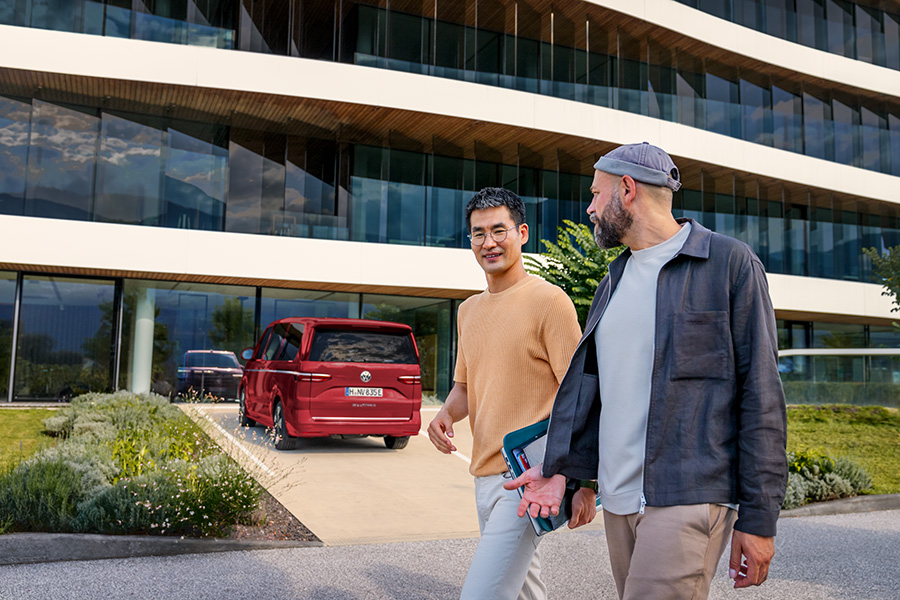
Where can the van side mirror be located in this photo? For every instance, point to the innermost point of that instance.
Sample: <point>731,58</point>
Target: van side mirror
<point>247,353</point>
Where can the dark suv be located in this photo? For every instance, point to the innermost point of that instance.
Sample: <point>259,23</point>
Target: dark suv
<point>215,372</point>
<point>311,377</point>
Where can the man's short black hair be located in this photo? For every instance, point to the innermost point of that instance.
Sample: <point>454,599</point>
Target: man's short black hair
<point>491,197</point>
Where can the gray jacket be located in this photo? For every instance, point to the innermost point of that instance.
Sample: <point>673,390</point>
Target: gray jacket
<point>717,426</point>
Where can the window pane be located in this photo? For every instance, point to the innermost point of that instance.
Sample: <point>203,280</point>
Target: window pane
<point>7,314</point>
<point>821,238</point>
<point>311,208</point>
<point>756,106</point>
<point>256,183</point>
<point>15,126</point>
<point>787,112</point>
<point>818,130</point>
<point>446,203</point>
<point>840,28</point>
<point>719,8</point>
<point>689,86</point>
<point>891,41</point>
<point>430,321</point>
<point>279,304</point>
<point>66,329</point>
<point>846,128</point>
<point>129,171</point>
<point>163,321</point>
<point>195,176</point>
<point>847,241</point>
<point>749,13</point>
<point>722,100</point>
<point>61,162</point>
<point>406,198</point>
<point>811,23</point>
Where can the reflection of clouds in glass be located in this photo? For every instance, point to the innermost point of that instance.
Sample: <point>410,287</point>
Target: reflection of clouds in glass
<point>120,152</point>
<point>204,171</point>
<point>71,134</point>
<point>14,135</point>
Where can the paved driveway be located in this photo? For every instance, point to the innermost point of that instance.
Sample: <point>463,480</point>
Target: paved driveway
<point>356,490</point>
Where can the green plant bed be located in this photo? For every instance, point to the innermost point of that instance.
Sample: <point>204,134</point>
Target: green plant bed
<point>126,464</point>
<point>869,436</point>
<point>22,434</point>
<point>826,393</point>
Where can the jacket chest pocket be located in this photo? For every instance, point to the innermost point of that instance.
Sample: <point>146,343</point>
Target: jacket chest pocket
<point>700,341</point>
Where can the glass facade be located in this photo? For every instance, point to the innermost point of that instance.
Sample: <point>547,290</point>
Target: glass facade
<point>562,53</point>
<point>66,343</point>
<point>78,335</point>
<point>194,22</point>
<point>140,170</point>
<point>837,369</point>
<point>863,32</point>
<point>7,316</point>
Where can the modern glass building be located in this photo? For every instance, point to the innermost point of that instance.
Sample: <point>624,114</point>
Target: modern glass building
<point>176,174</point>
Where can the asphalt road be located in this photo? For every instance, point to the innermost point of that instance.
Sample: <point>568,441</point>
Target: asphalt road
<point>850,556</point>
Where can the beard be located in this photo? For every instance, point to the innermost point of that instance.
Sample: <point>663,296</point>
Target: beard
<point>612,224</point>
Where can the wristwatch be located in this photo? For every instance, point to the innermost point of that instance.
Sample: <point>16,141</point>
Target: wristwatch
<point>587,483</point>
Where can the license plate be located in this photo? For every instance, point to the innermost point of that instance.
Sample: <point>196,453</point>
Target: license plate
<point>365,392</point>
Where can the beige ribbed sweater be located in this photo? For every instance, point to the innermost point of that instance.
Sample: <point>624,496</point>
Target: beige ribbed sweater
<point>514,348</point>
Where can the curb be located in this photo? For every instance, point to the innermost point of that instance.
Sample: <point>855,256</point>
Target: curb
<point>26,548</point>
<point>856,504</point>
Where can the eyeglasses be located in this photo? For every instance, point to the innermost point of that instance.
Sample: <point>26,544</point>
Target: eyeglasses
<point>498,235</point>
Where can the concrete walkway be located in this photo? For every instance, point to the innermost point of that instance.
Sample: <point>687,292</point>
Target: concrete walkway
<point>356,491</point>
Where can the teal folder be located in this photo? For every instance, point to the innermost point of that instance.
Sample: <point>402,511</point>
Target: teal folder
<point>524,448</point>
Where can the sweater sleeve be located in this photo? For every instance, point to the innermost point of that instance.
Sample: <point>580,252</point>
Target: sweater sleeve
<point>561,333</point>
<point>460,373</point>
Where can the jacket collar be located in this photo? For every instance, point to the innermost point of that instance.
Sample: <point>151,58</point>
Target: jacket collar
<point>697,243</point>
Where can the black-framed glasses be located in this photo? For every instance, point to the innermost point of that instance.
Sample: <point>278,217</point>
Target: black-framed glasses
<point>498,235</point>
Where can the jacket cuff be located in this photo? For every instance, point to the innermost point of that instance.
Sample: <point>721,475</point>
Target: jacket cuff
<point>756,522</point>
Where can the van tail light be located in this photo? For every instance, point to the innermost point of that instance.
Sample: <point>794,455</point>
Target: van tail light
<point>301,376</point>
<point>410,379</point>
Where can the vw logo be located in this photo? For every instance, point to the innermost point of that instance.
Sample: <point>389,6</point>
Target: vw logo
<point>365,376</point>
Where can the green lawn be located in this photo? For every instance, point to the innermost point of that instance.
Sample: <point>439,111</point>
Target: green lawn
<point>869,436</point>
<point>21,433</point>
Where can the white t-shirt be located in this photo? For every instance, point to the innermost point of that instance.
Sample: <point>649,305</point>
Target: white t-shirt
<point>625,338</point>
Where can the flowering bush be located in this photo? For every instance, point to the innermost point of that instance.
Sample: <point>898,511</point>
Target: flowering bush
<point>128,464</point>
<point>814,477</point>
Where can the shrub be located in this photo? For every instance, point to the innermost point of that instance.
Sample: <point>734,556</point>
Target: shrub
<point>815,477</point>
<point>796,491</point>
<point>855,475</point>
<point>128,464</point>
<point>146,504</point>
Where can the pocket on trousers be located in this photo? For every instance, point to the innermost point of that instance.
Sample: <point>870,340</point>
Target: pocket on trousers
<point>701,341</point>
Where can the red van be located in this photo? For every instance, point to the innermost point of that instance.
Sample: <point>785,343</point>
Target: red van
<point>315,377</point>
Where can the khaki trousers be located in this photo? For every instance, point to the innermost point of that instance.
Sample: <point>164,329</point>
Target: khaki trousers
<point>507,564</point>
<point>669,552</point>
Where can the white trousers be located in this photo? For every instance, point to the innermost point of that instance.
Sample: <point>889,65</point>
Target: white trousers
<point>507,564</point>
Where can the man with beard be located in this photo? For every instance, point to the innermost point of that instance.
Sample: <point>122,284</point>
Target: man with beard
<point>672,399</point>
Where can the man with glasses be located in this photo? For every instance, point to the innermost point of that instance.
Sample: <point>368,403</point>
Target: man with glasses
<point>673,398</point>
<point>515,341</point>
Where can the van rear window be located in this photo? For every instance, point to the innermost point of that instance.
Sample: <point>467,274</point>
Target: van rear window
<point>335,345</point>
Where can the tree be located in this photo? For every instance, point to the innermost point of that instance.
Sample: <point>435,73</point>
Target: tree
<point>575,263</point>
<point>232,326</point>
<point>886,271</point>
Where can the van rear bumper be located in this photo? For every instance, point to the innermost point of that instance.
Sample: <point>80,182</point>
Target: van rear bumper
<point>302,425</point>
